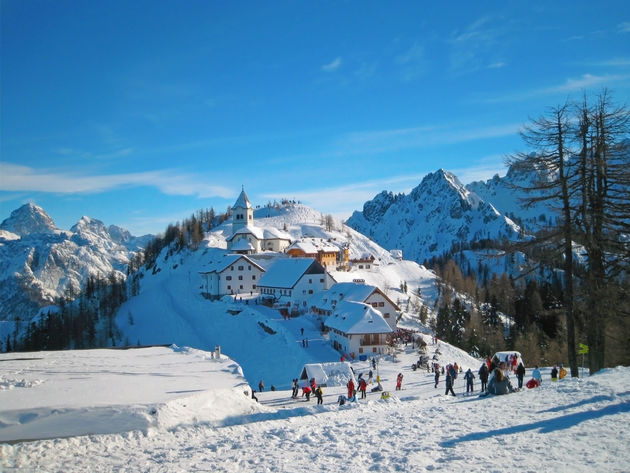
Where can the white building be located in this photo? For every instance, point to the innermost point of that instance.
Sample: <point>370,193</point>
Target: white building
<point>292,281</point>
<point>247,238</point>
<point>324,303</point>
<point>357,329</point>
<point>231,274</point>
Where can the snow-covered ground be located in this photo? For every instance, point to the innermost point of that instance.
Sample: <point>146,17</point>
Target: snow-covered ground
<point>178,409</point>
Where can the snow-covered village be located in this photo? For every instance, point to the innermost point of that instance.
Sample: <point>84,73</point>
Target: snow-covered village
<point>402,251</point>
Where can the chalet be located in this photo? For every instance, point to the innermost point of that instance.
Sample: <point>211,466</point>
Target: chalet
<point>322,250</point>
<point>363,263</point>
<point>247,238</point>
<point>324,303</point>
<point>231,274</point>
<point>357,329</point>
<point>292,281</point>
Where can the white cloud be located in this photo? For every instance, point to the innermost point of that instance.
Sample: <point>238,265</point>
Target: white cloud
<point>624,27</point>
<point>586,81</point>
<point>333,66</point>
<point>17,178</point>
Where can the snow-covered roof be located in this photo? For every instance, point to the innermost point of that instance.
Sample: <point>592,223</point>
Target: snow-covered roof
<point>242,201</point>
<point>357,318</point>
<point>314,245</point>
<point>242,245</point>
<point>225,261</point>
<point>346,291</point>
<point>249,230</point>
<point>286,272</point>
<point>272,233</point>
<point>336,373</point>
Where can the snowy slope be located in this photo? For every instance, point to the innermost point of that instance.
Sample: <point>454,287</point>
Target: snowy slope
<point>170,307</point>
<point>440,211</point>
<point>193,416</point>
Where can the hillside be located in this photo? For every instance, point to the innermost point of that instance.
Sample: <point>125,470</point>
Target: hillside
<point>170,307</point>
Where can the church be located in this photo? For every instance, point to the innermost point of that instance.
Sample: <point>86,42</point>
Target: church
<point>246,237</point>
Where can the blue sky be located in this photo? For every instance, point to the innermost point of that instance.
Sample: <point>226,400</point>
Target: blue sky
<point>139,113</point>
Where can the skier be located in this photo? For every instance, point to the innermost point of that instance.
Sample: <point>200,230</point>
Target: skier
<point>370,380</point>
<point>261,386</point>
<point>399,379</point>
<point>483,376</point>
<point>306,391</point>
<point>294,394</point>
<point>437,377</point>
<point>469,376</point>
<point>554,373</point>
<point>520,373</point>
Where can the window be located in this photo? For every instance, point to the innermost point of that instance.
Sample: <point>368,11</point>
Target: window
<point>241,286</point>
<point>249,267</point>
<point>253,277</point>
<point>321,280</point>
<point>240,278</point>
<point>240,268</point>
<point>229,287</point>
<point>374,304</point>
<point>381,304</point>
<point>310,281</point>
<point>228,278</point>
<point>310,291</point>
<point>232,268</point>
<point>386,316</point>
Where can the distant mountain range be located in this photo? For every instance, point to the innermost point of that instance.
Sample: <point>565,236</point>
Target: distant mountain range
<point>442,211</point>
<point>40,262</point>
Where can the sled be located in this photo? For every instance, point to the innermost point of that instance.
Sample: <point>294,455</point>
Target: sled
<point>532,383</point>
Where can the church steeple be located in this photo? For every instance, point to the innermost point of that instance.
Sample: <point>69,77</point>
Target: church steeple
<point>242,212</point>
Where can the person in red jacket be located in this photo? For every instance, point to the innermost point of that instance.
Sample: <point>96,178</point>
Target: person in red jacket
<point>350,386</point>
<point>363,388</point>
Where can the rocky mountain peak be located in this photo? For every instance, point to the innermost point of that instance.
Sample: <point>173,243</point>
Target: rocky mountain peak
<point>29,219</point>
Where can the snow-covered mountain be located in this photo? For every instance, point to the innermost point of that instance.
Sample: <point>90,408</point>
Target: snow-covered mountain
<point>440,211</point>
<point>504,194</point>
<point>40,263</point>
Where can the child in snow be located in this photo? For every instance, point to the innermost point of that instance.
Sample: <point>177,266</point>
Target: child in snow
<point>306,391</point>
<point>399,379</point>
<point>536,374</point>
<point>554,373</point>
<point>294,393</point>
<point>437,377</point>
<point>499,384</point>
<point>562,372</point>
<point>261,386</point>
<point>469,376</point>
<point>350,387</point>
